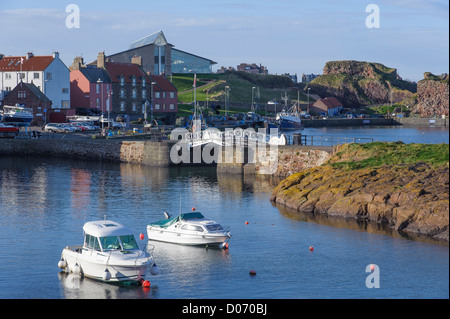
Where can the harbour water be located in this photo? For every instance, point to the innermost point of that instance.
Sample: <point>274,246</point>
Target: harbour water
<point>44,203</point>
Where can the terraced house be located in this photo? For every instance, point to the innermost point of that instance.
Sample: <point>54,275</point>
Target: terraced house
<point>47,72</point>
<point>127,88</point>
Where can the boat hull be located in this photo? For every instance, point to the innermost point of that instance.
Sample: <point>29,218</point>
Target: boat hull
<point>92,264</point>
<point>17,119</point>
<point>290,124</point>
<point>186,238</point>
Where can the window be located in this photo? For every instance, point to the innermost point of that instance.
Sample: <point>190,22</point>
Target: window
<point>172,95</point>
<point>172,106</point>
<point>122,106</point>
<point>144,94</point>
<point>21,94</point>
<point>122,80</point>
<point>65,91</point>
<point>36,75</point>
<point>157,95</point>
<point>21,75</point>
<point>122,93</point>
<point>65,104</point>
<point>133,81</point>
<point>97,89</point>
<point>110,242</point>
<point>49,76</point>
<point>192,227</point>
<point>133,106</point>
<point>134,93</point>
<point>129,242</point>
<point>157,106</point>
<point>98,102</point>
<point>92,242</point>
<point>7,76</point>
<point>143,81</point>
<point>164,95</point>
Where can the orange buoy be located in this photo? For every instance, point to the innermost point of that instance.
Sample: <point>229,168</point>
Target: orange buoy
<point>372,267</point>
<point>141,236</point>
<point>252,272</point>
<point>311,248</point>
<point>146,284</point>
<point>193,209</point>
<point>246,222</point>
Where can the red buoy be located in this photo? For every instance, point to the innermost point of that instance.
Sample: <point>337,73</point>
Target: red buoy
<point>311,248</point>
<point>252,272</point>
<point>193,208</point>
<point>246,222</point>
<point>372,267</point>
<point>141,236</point>
<point>146,284</point>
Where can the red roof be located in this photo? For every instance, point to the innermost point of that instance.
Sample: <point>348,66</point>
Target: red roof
<point>33,63</point>
<point>163,83</point>
<point>329,102</point>
<point>128,70</point>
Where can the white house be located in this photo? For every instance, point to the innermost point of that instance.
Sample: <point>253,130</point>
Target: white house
<point>47,72</point>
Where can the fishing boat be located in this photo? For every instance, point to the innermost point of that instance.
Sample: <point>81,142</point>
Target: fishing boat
<point>110,253</point>
<point>4,128</point>
<point>189,229</point>
<point>290,119</point>
<point>17,114</point>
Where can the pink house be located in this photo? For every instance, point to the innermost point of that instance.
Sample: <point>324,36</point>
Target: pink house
<point>90,86</point>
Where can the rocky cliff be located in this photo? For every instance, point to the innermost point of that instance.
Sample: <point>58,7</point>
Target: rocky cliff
<point>405,186</point>
<point>357,83</point>
<point>432,95</point>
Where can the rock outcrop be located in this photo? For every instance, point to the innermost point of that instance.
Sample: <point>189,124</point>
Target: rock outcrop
<point>410,196</point>
<point>433,95</point>
<point>357,83</point>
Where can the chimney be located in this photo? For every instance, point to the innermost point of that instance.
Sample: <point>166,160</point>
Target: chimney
<point>136,60</point>
<point>77,63</point>
<point>29,55</point>
<point>101,60</point>
<point>55,55</point>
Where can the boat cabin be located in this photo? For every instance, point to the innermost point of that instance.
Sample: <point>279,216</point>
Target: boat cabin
<point>108,235</point>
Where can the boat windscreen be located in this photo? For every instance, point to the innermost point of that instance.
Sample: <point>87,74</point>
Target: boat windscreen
<point>188,216</point>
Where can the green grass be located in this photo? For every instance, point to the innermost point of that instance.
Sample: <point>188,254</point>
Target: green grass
<point>378,154</point>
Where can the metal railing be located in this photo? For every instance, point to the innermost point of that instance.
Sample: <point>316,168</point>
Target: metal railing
<point>319,140</point>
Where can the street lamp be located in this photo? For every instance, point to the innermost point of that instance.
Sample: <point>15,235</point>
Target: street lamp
<point>99,82</point>
<point>151,104</point>
<point>253,90</point>
<point>308,99</point>
<point>227,99</point>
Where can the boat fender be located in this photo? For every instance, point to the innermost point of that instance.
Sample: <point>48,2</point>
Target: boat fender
<point>76,269</point>
<point>106,275</point>
<point>154,270</point>
<point>62,263</point>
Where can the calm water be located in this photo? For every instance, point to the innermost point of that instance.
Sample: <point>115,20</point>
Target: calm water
<point>45,202</point>
<point>406,134</point>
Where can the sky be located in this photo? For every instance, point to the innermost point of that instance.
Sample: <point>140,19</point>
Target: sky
<point>286,36</point>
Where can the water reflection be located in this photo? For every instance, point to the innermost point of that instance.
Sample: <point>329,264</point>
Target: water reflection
<point>77,287</point>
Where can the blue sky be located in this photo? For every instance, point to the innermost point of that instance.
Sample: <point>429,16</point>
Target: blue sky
<point>287,36</point>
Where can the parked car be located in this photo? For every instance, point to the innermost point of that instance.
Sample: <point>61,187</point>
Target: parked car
<point>77,128</point>
<point>58,128</point>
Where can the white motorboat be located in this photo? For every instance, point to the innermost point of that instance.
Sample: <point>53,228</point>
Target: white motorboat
<point>110,253</point>
<point>17,114</point>
<point>189,229</point>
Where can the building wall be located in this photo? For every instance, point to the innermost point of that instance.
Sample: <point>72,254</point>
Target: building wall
<point>30,100</point>
<point>148,57</point>
<point>60,79</point>
<point>79,90</point>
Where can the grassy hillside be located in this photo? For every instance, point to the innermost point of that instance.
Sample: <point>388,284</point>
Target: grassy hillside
<point>240,83</point>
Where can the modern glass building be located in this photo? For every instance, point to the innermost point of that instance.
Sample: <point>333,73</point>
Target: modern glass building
<point>183,62</point>
<point>159,57</point>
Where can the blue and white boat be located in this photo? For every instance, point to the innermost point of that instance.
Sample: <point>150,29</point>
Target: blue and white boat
<point>290,120</point>
<point>17,114</point>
